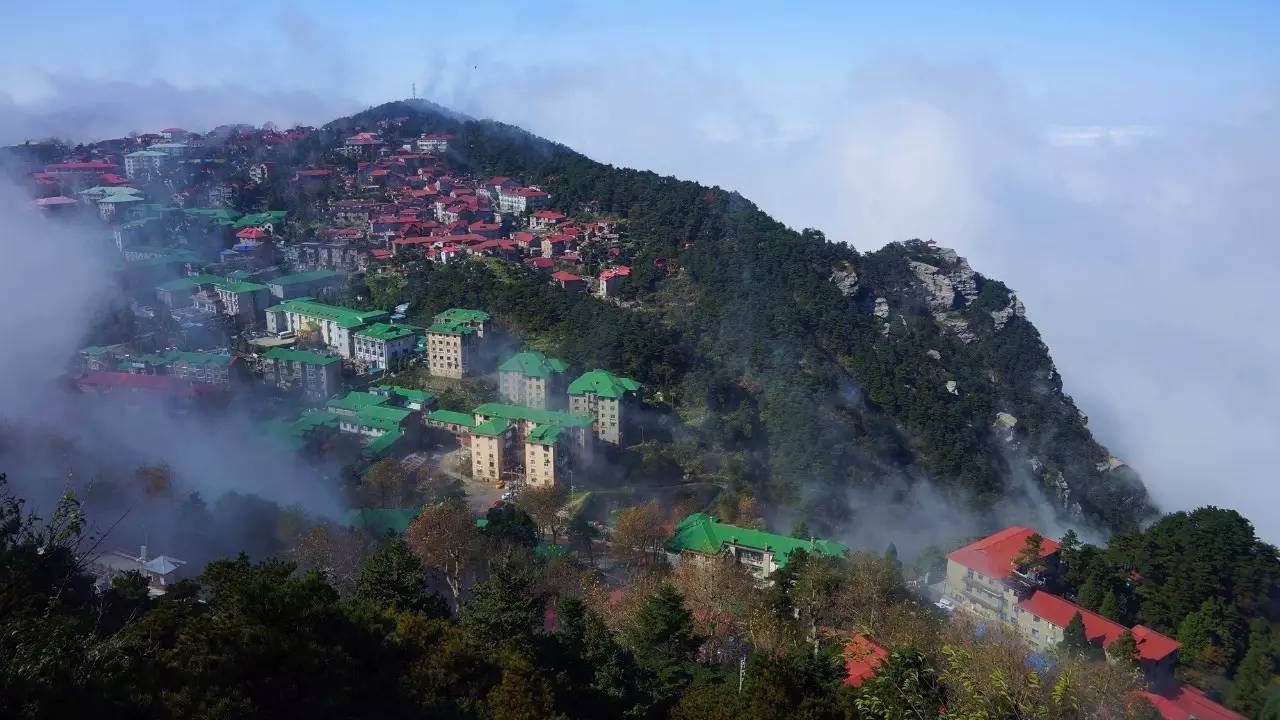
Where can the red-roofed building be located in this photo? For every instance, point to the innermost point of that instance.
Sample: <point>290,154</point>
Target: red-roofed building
<point>1184,702</point>
<point>611,278</point>
<point>993,555</point>
<point>984,579</point>
<point>569,281</point>
<point>253,233</point>
<point>862,656</point>
<point>545,219</point>
<point>541,264</point>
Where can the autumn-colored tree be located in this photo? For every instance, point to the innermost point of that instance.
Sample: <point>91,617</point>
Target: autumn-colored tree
<point>389,484</point>
<point>718,593</point>
<point>446,539</point>
<point>544,505</point>
<point>638,535</point>
<point>336,552</point>
<point>870,588</point>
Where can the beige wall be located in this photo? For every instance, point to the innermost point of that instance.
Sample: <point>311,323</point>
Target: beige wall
<point>487,457</point>
<point>448,355</point>
<point>540,464</point>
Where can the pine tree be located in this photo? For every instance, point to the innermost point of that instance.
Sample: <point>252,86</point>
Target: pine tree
<point>1075,641</point>
<point>662,634</point>
<point>1109,607</point>
<point>1253,677</point>
<point>1091,592</point>
<point>1123,648</point>
<point>503,611</point>
<point>395,578</point>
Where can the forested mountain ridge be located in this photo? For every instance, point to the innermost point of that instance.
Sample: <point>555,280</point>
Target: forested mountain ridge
<point>803,366</point>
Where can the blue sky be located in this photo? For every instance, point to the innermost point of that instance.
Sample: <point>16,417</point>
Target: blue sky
<point>1115,163</point>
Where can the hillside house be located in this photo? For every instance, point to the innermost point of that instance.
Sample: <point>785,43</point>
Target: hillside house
<point>702,535</point>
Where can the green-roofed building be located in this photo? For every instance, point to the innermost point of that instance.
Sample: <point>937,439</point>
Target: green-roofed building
<point>271,220</point>
<point>492,452</point>
<point>336,325</point>
<point>543,459</point>
<point>306,284</point>
<point>531,378</point>
<point>610,399</point>
<point>451,349</point>
<point>178,293</point>
<point>547,440</point>
<point>701,534</point>
<point>200,367</point>
<point>387,346</point>
<point>354,402</point>
<point>376,416</point>
<point>458,423</point>
<point>96,358</point>
<point>308,431</point>
<point>314,375</point>
<point>406,397</point>
<point>381,521</point>
<point>477,319</point>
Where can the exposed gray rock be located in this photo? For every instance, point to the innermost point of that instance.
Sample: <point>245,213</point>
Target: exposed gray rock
<point>934,354</point>
<point>1014,309</point>
<point>882,308</point>
<point>953,387</point>
<point>953,323</point>
<point>1111,463</point>
<point>846,281</point>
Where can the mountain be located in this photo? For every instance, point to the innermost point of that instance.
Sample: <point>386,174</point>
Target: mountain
<point>800,371</point>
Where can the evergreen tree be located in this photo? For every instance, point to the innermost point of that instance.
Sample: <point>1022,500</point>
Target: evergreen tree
<point>506,522</point>
<point>1109,607</point>
<point>1123,649</point>
<point>503,611</point>
<point>1091,592</point>
<point>394,578</point>
<point>905,687</point>
<point>662,634</point>
<point>1255,676</point>
<point>1075,641</point>
<point>1212,638</point>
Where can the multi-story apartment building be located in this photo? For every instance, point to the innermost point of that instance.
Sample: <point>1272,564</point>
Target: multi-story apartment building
<point>434,142</point>
<point>1000,578</point>
<point>386,346</point>
<point>335,326</point>
<point>491,442</point>
<point>542,457</point>
<point>145,164</point>
<point>319,376</point>
<point>476,319</point>
<point>244,301</point>
<point>450,349</point>
<point>520,200</point>
<point>700,535</point>
<point>609,399</point>
<point>532,379</point>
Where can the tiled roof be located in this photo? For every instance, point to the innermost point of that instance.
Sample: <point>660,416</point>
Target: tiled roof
<point>993,555</point>
<point>1059,611</point>
<point>702,533</point>
<point>603,384</point>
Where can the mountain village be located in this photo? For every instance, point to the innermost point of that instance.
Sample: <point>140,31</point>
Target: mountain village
<point>230,294</point>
